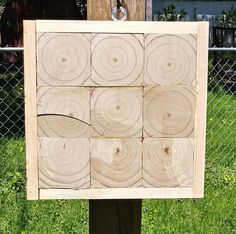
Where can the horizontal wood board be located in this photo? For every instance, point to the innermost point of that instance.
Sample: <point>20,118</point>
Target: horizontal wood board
<point>120,109</point>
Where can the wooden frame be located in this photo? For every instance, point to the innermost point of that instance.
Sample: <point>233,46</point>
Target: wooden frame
<point>32,27</point>
<point>30,109</point>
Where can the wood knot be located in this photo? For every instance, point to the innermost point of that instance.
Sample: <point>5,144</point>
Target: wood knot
<point>115,60</point>
<point>117,150</point>
<point>166,150</point>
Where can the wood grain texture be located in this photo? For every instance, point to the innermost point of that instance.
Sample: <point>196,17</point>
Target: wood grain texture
<point>63,26</point>
<point>169,112</point>
<point>116,163</point>
<point>148,10</point>
<point>201,110</point>
<point>116,193</point>
<point>117,59</point>
<point>64,163</point>
<point>63,59</point>
<point>63,112</point>
<point>159,106</point>
<point>168,162</point>
<point>101,10</point>
<point>170,59</point>
<point>123,216</point>
<point>116,112</point>
<point>30,110</point>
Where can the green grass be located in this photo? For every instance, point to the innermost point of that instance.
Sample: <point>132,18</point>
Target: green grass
<point>216,213</point>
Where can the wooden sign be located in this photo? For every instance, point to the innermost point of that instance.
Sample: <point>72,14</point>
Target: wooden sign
<point>115,109</point>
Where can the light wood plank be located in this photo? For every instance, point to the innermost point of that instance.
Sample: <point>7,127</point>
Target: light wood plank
<point>116,163</point>
<point>116,27</point>
<point>116,112</point>
<point>169,112</point>
<point>201,109</point>
<point>101,10</point>
<point>168,162</point>
<point>64,163</point>
<point>30,110</point>
<point>116,193</point>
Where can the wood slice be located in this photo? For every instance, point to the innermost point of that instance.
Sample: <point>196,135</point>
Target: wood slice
<point>170,59</point>
<point>63,59</point>
<point>168,162</point>
<point>169,112</point>
<point>117,59</point>
<point>116,112</point>
<point>116,163</point>
<point>63,112</point>
<point>64,163</point>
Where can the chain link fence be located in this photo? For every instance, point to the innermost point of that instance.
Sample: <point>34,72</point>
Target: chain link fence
<point>221,128</point>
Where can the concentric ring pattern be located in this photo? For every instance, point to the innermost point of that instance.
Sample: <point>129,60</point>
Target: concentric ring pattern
<point>117,59</point>
<point>170,59</point>
<point>116,112</point>
<point>116,163</point>
<point>169,112</point>
<point>64,163</point>
<point>168,162</point>
<point>63,59</point>
<point>63,112</point>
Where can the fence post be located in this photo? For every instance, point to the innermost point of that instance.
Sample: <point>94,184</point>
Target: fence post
<point>116,216</point>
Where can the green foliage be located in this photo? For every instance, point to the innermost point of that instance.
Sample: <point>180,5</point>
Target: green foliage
<point>11,100</point>
<point>20,216</point>
<point>170,13</point>
<point>2,5</point>
<point>3,2</point>
<point>229,18</point>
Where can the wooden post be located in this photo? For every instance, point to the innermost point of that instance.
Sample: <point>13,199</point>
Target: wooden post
<point>116,216</point>
<point>101,10</point>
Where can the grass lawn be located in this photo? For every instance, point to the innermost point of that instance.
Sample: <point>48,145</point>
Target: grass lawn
<point>216,213</point>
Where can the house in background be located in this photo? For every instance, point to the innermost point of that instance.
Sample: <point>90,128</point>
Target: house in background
<point>195,8</point>
<point>204,10</point>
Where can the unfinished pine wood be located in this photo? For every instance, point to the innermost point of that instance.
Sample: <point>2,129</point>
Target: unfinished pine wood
<point>101,10</point>
<point>169,112</point>
<point>116,163</point>
<point>152,107</point>
<point>66,26</point>
<point>170,59</point>
<point>201,110</point>
<point>116,112</point>
<point>64,163</point>
<point>116,193</point>
<point>63,59</point>
<point>168,162</point>
<point>117,59</point>
<point>63,112</point>
<point>30,110</point>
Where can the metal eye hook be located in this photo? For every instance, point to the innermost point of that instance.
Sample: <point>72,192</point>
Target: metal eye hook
<point>115,10</point>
